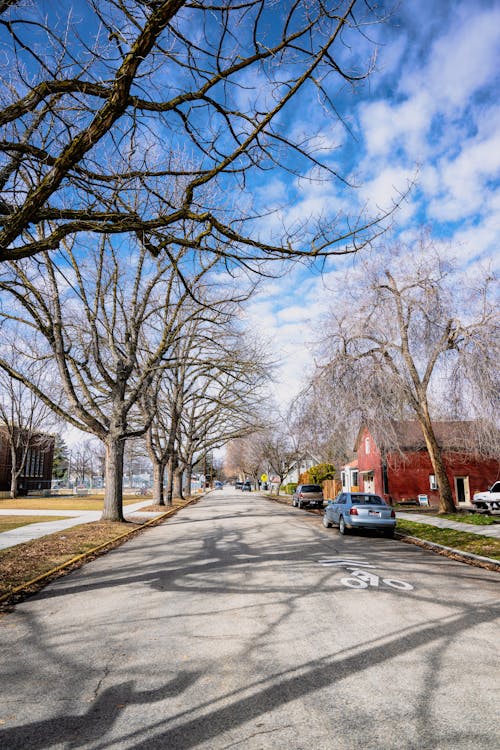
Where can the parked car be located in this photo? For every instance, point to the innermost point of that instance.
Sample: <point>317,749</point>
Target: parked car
<point>360,510</point>
<point>247,487</point>
<point>218,485</point>
<point>238,485</point>
<point>489,501</point>
<point>308,496</point>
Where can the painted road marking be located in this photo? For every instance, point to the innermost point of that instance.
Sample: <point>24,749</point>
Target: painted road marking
<point>361,578</point>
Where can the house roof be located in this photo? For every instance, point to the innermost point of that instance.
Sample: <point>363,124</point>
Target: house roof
<point>455,436</point>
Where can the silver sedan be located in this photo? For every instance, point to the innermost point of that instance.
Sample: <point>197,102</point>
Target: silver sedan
<point>360,510</point>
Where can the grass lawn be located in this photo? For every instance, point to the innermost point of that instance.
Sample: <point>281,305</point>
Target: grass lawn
<point>460,540</point>
<point>14,522</point>
<point>65,502</point>
<point>24,562</point>
<point>476,519</point>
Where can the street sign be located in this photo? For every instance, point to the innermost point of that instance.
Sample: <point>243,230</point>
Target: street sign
<point>263,477</point>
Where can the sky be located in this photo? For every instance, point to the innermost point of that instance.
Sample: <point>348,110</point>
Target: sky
<point>430,113</point>
<point>429,116</point>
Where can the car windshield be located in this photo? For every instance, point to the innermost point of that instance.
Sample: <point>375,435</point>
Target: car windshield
<point>366,500</point>
<point>496,487</point>
<point>311,488</point>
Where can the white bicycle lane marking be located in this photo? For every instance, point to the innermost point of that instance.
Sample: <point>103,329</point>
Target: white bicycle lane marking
<point>360,578</point>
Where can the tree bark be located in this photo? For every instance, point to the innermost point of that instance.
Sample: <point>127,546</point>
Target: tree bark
<point>158,477</point>
<point>446,502</point>
<point>178,473</point>
<point>113,486</point>
<point>170,481</point>
<point>13,472</point>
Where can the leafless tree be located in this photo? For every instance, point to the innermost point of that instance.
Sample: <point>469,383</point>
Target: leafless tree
<point>208,397</point>
<point>245,457</point>
<point>86,460</point>
<point>26,422</point>
<point>106,318</point>
<point>400,340</point>
<point>164,98</point>
<point>283,443</point>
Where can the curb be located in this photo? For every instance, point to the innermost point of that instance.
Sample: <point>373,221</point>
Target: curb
<point>92,552</point>
<point>459,555</point>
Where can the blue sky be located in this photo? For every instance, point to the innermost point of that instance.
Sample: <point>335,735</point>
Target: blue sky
<point>430,111</point>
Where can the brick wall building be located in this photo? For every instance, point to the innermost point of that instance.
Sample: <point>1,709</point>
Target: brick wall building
<point>407,472</point>
<point>37,473</point>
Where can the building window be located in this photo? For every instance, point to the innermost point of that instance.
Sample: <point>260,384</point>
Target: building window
<point>367,445</point>
<point>342,478</point>
<point>354,479</point>
<point>432,482</point>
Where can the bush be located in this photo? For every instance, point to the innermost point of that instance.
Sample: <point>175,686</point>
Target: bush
<point>290,488</point>
<point>321,472</point>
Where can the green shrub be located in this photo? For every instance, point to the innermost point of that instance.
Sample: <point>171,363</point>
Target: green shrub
<point>290,488</point>
<point>321,472</point>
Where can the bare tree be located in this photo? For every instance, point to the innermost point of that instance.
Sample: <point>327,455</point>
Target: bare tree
<point>165,98</point>
<point>86,460</point>
<point>106,319</point>
<point>26,421</point>
<point>400,340</point>
<point>209,396</point>
<point>245,456</point>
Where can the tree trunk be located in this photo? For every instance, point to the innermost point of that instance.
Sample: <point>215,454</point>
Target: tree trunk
<point>13,472</point>
<point>170,481</point>
<point>189,479</point>
<point>178,473</point>
<point>113,483</point>
<point>158,477</point>
<point>446,503</point>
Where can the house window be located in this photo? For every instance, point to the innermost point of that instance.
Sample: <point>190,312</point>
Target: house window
<point>367,445</point>
<point>354,479</point>
<point>342,478</point>
<point>432,482</point>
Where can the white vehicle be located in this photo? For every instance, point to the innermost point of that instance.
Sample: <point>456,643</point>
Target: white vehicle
<point>489,501</point>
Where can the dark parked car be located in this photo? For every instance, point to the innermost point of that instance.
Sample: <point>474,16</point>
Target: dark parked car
<point>308,496</point>
<point>238,485</point>
<point>360,510</point>
<point>247,487</point>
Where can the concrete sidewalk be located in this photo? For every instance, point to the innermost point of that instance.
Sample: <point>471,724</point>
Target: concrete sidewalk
<point>492,531</point>
<point>75,517</point>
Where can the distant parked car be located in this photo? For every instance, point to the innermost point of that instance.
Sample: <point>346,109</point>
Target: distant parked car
<point>360,510</point>
<point>489,501</point>
<point>218,485</point>
<point>238,485</point>
<point>308,496</point>
<point>247,487</point>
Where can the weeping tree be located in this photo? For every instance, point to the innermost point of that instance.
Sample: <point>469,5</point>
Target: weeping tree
<point>102,318</point>
<point>170,97</point>
<point>402,339</point>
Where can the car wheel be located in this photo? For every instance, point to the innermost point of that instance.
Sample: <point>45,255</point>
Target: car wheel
<point>342,526</point>
<point>326,522</point>
<point>299,504</point>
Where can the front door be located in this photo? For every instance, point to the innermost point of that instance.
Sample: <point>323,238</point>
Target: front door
<point>369,482</point>
<point>462,489</point>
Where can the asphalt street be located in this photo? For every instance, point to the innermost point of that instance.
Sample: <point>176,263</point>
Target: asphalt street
<point>242,623</point>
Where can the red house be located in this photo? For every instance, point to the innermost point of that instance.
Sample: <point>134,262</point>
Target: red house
<point>405,472</point>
